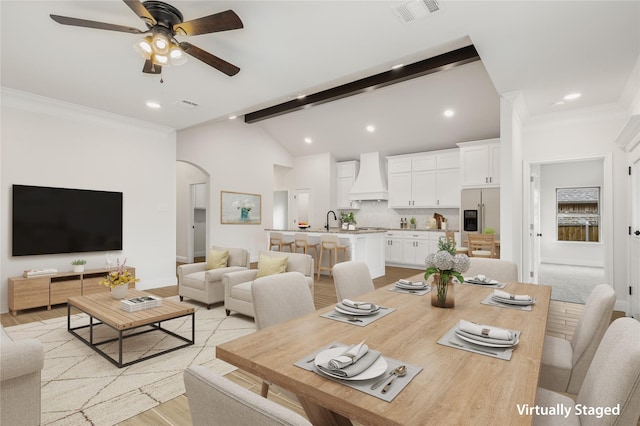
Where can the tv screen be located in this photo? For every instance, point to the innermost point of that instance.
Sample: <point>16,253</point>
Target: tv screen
<point>59,220</point>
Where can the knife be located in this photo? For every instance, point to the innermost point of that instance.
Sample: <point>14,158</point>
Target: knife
<point>384,378</point>
<point>473,349</point>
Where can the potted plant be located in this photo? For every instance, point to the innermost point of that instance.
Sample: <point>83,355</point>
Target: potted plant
<point>118,280</point>
<point>489,231</point>
<point>412,222</point>
<point>348,220</point>
<point>78,265</point>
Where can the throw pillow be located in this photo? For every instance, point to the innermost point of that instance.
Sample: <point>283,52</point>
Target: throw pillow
<point>217,259</point>
<point>270,265</point>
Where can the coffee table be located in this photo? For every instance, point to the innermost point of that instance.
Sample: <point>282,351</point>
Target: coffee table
<point>103,309</point>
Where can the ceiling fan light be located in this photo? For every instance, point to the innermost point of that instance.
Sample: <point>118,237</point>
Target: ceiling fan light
<point>160,43</point>
<point>143,47</point>
<point>160,59</point>
<point>176,55</point>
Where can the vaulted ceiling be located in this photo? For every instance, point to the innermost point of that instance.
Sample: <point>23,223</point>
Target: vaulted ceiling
<point>543,49</point>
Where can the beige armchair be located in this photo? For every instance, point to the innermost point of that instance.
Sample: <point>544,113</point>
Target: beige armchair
<point>197,282</point>
<point>21,363</point>
<point>237,285</point>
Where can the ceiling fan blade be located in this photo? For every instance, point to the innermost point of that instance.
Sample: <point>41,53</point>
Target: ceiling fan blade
<point>151,68</point>
<point>65,20</point>
<point>222,21</point>
<point>209,59</point>
<point>141,11</point>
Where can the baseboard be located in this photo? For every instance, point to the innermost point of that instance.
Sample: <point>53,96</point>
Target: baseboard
<point>181,259</point>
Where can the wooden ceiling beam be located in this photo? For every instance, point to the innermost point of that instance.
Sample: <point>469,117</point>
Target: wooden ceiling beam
<point>432,65</point>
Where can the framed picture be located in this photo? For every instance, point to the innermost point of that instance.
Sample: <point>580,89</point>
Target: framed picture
<point>240,208</point>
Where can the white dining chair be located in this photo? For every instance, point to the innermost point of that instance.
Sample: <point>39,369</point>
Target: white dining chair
<point>352,279</point>
<point>215,400</point>
<point>500,270</point>
<point>565,363</point>
<point>612,381</point>
<point>278,298</point>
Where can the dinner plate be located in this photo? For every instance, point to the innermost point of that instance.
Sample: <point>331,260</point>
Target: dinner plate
<point>377,368</point>
<point>512,301</point>
<point>353,312</point>
<point>411,287</point>
<point>491,343</point>
<point>473,280</point>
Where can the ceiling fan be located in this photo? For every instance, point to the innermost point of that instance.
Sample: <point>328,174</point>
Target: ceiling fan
<point>159,47</point>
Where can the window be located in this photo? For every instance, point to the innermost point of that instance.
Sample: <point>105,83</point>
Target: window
<point>578,214</point>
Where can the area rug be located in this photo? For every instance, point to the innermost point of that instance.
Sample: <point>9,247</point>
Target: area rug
<point>80,387</point>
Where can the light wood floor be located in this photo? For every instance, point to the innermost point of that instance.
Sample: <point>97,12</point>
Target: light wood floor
<point>562,321</point>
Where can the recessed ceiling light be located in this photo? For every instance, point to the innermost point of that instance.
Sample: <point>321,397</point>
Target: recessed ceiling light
<point>395,67</point>
<point>558,103</point>
<point>371,128</point>
<point>572,96</point>
<point>301,96</point>
<point>308,140</point>
<point>152,104</point>
<point>449,113</point>
<point>233,117</point>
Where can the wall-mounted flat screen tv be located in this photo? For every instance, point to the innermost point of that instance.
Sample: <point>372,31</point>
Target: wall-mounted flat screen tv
<point>60,220</point>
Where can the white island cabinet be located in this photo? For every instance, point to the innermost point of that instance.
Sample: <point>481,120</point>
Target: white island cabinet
<point>367,246</point>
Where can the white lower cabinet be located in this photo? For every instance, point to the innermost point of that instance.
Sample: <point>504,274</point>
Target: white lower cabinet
<point>410,248</point>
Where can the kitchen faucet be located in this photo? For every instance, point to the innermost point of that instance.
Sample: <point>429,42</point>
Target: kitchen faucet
<point>334,218</point>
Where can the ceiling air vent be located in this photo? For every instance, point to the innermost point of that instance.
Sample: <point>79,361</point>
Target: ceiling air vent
<point>415,9</point>
<point>186,104</point>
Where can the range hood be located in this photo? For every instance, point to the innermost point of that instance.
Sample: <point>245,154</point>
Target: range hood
<point>371,183</point>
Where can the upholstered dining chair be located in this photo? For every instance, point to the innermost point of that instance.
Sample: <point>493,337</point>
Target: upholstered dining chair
<point>278,298</point>
<point>276,239</point>
<point>500,270</point>
<point>352,279</point>
<point>612,380</point>
<point>215,400</point>
<point>481,245</point>
<point>565,363</point>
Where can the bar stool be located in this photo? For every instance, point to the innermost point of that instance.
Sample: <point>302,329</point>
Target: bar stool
<point>451,237</point>
<point>301,241</point>
<point>330,243</point>
<point>276,240</point>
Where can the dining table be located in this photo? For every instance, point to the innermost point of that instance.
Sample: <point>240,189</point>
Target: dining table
<point>453,387</point>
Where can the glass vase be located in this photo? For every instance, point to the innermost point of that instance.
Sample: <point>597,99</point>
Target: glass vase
<point>442,295</point>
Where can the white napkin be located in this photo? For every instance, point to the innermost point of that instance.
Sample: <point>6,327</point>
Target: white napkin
<point>365,306</point>
<point>505,295</point>
<point>349,356</point>
<point>485,330</point>
<point>409,283</point>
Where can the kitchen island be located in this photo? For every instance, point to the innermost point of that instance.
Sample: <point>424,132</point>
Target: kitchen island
<point>365,245</point>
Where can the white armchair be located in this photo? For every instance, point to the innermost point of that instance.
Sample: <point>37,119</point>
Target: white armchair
<point>237,285</point>
<point>197,282</point>
<point>21,363</point>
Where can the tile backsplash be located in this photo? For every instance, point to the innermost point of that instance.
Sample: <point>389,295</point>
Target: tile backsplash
<point>378,214</point>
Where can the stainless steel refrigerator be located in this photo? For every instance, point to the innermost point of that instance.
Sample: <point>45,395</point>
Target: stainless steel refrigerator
<point>480,210</point>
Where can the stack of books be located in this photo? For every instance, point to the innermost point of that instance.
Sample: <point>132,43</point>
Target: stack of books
<point>140,303</point>
<point>30,273</point>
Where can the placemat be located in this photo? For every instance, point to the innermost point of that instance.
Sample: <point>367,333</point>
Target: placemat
<point>489,301</point>
<point>360,320</point>
<point>407,291</point>
<point>399,383</point>
<point>453,341</point>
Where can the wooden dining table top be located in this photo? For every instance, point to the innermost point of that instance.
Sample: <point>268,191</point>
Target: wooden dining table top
<point>455,386</point>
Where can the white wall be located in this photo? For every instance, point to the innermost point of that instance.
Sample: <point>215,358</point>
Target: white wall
<point>238,157</point>
<point>49,143</point>
<point>567,175</point>
<point>317,174</point>
<point>581,134</point>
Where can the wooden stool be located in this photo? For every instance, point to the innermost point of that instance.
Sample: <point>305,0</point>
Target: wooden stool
<point>330,243</point>
<point>301,241</point>
<point>276,240</point>
<point>451,237</point>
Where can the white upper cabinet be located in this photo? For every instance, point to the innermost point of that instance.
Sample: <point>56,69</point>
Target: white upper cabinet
<point>480,163</point>
<point>347,171</point>
<point>424,180</point>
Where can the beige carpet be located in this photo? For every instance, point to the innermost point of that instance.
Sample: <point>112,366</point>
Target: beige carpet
<point>79,387</point>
